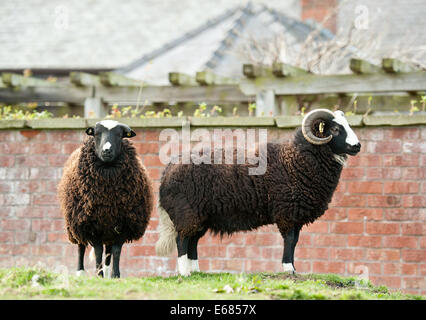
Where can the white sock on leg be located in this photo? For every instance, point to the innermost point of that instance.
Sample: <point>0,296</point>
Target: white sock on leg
<point>107,271</point>
<point>194,265</point>
<point>184,267</point>
<point>288,267</point>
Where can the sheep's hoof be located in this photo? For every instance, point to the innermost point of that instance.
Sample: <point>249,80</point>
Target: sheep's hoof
<point>288,268</point>
<point>80,273</point>
<point>193,264</point>
<point>107,271</point>
<point>184,266</point>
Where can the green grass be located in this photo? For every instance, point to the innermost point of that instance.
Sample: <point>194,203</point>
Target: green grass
<point>33,283</point>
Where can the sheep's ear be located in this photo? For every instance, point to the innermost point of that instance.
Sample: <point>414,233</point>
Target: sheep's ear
<point>127,132</point>
<point>90,131</point>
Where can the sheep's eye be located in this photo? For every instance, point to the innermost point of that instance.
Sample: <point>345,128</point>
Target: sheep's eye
<point>334,130</point>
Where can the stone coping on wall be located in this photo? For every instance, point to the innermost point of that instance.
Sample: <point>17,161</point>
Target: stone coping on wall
<point>175,122</point>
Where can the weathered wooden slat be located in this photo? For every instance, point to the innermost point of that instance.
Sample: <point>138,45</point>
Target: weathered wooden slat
<point>152,94</point>
<point>396,66</point>
<point>17,80</point>
<point>208,78</point>
<point>181,79</point>
<point>84,79</point>
<point>116,80</point>
<point>346,83</point>
<point>2,84</point>
<point>256,71</point>
<point>376,101</point>
<point>280,69</point>
<point>69,94</point>
<point>126,95</point>
<point>360,66</point>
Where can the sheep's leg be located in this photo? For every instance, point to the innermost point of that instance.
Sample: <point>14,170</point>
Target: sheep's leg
<point>290,241</point>
<point>192,252</point>
<point>107,265</point>
<point>80,267</point>
<point>295,240</point>
<point>99,248</point>
<point>184,268</point>
<point>116,252</point>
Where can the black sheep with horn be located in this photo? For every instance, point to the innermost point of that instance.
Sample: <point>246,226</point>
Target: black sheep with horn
<point>296,189</point>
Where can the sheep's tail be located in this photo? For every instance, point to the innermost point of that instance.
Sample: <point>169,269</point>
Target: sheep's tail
<point>167,241</point>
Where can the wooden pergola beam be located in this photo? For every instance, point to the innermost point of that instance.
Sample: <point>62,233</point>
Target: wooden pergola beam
<point>280,69</point>
<point>256,71</point>
<point>84,79</point>
<point>17,80</point>
<point>208,78</point>
<point>153,94</point>
<point>360,66</point>
<point>345,83</point>
<point>181,79</point>
<point>69,94</point>
<point>127,95</point>
<point>112,79</point>
<point>397,66</point>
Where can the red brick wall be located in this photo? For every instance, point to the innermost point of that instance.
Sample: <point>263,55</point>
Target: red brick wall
<point>376,219</point>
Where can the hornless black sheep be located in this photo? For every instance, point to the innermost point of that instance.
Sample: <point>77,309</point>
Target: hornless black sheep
<point>105,194</point>
<point>295,190</point>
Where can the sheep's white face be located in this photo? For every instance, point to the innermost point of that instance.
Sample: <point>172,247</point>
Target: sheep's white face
<point>344,141</point>
<point>108,136</point>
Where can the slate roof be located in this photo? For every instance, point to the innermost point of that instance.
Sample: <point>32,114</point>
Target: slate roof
<point>101,34</point>
<point>220,44</point>
<point>146,39</point>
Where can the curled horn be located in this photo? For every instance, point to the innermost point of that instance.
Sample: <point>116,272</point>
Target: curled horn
<point>309,119</point>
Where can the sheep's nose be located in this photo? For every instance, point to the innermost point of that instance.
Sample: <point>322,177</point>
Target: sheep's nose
<point>357,146</point>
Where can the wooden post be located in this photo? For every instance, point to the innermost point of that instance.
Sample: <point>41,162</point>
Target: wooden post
<point>94,108</point>
<point>266,104</point>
